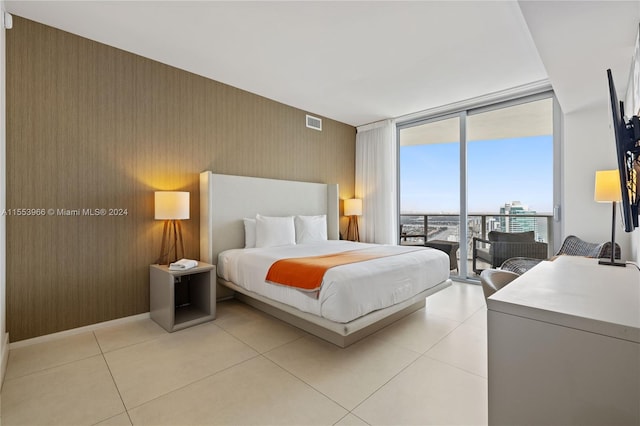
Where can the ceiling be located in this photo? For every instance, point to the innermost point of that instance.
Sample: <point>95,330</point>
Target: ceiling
<point>578,41</point>
<point>516,121</point>
<point>360,62</point>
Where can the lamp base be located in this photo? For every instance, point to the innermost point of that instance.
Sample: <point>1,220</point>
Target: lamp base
<point>611,263</point>
<point>171,243</point>
<point>353,234</point>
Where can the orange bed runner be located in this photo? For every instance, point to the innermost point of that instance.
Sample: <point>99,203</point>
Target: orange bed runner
<point>306,273</point>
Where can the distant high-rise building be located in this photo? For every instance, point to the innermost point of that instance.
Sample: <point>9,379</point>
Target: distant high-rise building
<point>517,224</point>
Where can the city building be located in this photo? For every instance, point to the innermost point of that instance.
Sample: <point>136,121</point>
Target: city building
<point>508,223</point>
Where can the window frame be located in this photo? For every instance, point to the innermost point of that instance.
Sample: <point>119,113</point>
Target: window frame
<point>464,110</point>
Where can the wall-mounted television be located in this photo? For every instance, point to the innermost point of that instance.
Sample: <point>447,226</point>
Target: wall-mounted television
<point>627,140</point>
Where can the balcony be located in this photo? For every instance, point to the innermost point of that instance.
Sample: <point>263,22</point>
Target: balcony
<point>446,227</point>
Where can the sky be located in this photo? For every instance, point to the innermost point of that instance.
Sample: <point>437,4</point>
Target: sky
<point>498,171</point>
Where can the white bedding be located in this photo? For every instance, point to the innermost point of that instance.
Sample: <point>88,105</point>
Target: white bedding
<point>348,291</point>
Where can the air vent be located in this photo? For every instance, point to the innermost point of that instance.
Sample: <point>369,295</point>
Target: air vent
<point>314,122</point>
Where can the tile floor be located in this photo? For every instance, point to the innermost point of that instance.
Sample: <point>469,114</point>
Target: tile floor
<point>248,368</point>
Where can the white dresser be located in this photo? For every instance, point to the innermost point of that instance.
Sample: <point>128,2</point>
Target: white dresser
<point>564,346</point>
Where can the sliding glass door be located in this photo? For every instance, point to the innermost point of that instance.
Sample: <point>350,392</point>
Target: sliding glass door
<point>430,183</point>
<point>490,168</point>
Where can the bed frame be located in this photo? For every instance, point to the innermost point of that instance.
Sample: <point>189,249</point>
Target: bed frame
<point>226,199</point>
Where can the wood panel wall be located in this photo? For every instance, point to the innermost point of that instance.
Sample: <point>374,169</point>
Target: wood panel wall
<point>89,127</point>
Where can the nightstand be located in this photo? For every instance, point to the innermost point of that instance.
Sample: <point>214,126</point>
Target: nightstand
<point>181,299</point>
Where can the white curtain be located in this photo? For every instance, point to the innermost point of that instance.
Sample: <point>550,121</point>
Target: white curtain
<point>376,182</point>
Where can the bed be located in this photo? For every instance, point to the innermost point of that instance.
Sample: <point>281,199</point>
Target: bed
<point>336,312</point>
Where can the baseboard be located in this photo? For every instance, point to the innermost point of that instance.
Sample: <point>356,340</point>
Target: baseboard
<point>5,358</point>
<point>79,330</point>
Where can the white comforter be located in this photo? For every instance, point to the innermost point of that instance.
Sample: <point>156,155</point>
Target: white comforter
<point>348,291</point>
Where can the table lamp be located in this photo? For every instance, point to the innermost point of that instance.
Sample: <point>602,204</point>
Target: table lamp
<point>172,207</point>
<point>353,209</point>
<point>608,190</point>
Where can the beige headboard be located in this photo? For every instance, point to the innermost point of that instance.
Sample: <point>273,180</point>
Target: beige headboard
<point>226,199</point>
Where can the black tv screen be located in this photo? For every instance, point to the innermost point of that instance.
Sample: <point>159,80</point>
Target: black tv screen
<point>627,151</point>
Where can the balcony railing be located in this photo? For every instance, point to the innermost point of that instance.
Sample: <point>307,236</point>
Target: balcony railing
<point>438,226</point>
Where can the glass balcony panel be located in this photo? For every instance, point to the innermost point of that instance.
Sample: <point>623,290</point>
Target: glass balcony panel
<point>446,227</point>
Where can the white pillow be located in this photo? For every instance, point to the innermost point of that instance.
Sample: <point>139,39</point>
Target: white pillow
<point>275,231</point>
<point>311,228</point>
<point>249,233</point>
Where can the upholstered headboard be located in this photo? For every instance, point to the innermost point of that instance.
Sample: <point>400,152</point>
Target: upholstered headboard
<point>226,199</point>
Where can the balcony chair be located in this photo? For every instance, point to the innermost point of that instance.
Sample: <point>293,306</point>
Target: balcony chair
<point>404,235</point>
<point>574,246</point>
<point>571,246</point>
<point>505,245</point>
<point>494,279</point>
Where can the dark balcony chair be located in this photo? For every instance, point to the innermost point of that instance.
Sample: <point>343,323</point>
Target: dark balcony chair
<point>505,245</point>
<point>571,246</point>
<point>404,236</point>
<point>574,246</point>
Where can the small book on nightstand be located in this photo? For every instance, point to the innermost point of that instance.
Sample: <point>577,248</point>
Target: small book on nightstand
<point>183,264</point>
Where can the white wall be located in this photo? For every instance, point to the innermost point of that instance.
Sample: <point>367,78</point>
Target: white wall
<point>635,246</point>
<point>589,146</point>
<point>4,338</point>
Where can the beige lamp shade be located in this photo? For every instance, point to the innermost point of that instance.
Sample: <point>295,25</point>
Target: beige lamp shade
<point>353,207</point>
<point>607,186</point>
<point>171,205</point>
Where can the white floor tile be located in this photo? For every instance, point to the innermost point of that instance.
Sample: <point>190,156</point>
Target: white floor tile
<point>465,348</point>
<point>351,420</point>
<point>40,356</point>
<point>457,302</point>
<point>120,336</point>
<point>81,392</point>
<point>121,419</point>
<point>258,330</point>
<point>213,373</point>
<point>479,319</point>
<point>150,369</point>
<point>428,393</point>
<point>417,332</point>
<point>347,375</point>
<point>256,392</point>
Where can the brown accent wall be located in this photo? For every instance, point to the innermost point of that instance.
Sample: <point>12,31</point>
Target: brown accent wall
<point>89,127</point>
